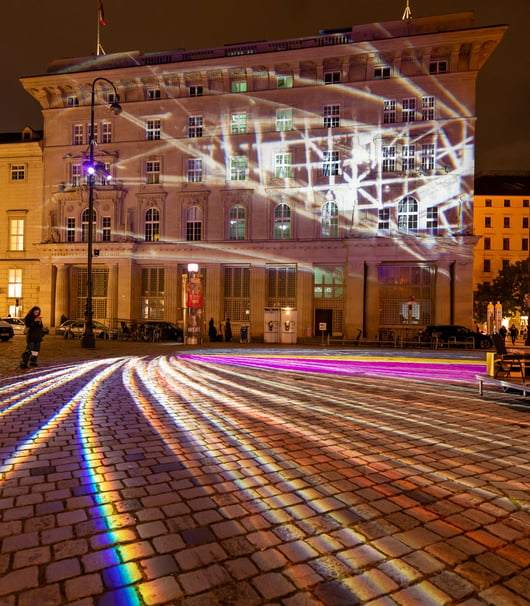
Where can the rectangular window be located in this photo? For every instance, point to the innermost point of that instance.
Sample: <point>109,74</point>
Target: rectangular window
<point>383,223</point>
<point>153,291</point>
<point>427,108</point>
<point>506,222</point>
<point>153,129</point>
<point>18,172</point>
<point>382,72</point>
<point>506,244</point>
<point>487,266</point>
<point>487,243</point>
<point>432,219</point>
<point>487,203</point>
<point>89,131</point>
<point>195,126</point>
<point>75,175</point>
<point>70,229</point>
<point>507,203</point>
<point>427,156</point>
<point>238,168</point>
<point>283,166</point>
<point>281,282</point>
<point>14,283</point>
<point>152,171</point>
<point>525,222</point>
<point>236,293</point>
<point>79,134</point>
<point>195,91</point>
<point>331,77</point>
<point>194,170</point>
<point>239,86</point>
<point>153,93</point>
<point>72,101</point>
<point>389,158</point>
<point>328,283</point>
<point>331,116</point>
<point>526,203</point>
<point>389,111</point>
<point>409,110</point>
<point>330,164</point>
<point>284,119</point>
<point>106,223</point>
<point>487,221</point>
<point>193,231</point>
<point>408,156</point>
<point>438,67</point>
<point>285,82</point>
<point>106,132</point>
<point>238,123</point>
<point>16,234</point>
<point>524,244</point>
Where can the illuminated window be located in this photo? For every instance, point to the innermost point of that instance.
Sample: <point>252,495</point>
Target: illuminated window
<point>195,124</point>
<point>18,172</point>
<point>382,72</point>
<point>89,131</point>
<point>238,168</point>
<point>152,302</point>
<point>389,158</point>
<point>14,283</point>
<point>106,132</point>
<point>193,224</point>
<point>106,224</point>
<point>506,222</point>
<point>407,215</point>
<point>383,220</point>
<point>239,86</point>
<point>409,110</point>
<point>438,67</point>
<point>487,243</point>
<point>152,93</point>
<point>389,111</point>
<point>432,219</point>
<point>72,101</point>
<point>281,286</point>
<point>70,229</point>
<point>427,156</point>
<point>282,222</point>
<point>285,82</point>
<point>238,125</point>
<point>506,244</point>
<point>331,116</point>
<point>487,266</point>
<point>284,119</point>
<point>236,293</point>
<point>78,136</point>
<point>76,175</point>
<point>427,108</point>
<point>152,225</point>
<point>331,77</point>
<point>153,129</point>
<point>328,282</point>
<point>487,221</point>
<point>329,226</point>
<point>408,156</point>
<point>194,170</point>
<point>84,225</point>
<point>330,164</point>
<point>16,233</point>
<point>195,91</point>
<point>237,223</point>
<point>283,166</point>
<point>152,171</point>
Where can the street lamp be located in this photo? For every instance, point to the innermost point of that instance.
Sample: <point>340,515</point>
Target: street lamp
<point>92,169</point>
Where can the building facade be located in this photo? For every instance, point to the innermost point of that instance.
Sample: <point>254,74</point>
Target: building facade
<point>332,175</point>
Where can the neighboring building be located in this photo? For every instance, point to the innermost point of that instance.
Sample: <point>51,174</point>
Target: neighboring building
<point>21,196</point>
<point>332,174</point>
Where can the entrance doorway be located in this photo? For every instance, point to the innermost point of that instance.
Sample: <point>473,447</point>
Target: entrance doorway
<point>323,316</point>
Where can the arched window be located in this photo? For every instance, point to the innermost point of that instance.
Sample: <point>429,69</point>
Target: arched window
<point>152,225</point>
<point>282,222</point>
<point>84,225</point>
<point>408,215</point>
<point>193,223</point>
<point>330,220</point>
<point>237,223</point>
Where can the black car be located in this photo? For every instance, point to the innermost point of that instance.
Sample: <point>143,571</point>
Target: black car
<point>154,330</point>
<point>6,331</point>
<point>451,334</point>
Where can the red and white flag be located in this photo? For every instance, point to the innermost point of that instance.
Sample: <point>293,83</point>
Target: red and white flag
<point>101,14</point>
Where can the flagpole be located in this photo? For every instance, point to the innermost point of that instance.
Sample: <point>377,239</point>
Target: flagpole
<point>99,48</point>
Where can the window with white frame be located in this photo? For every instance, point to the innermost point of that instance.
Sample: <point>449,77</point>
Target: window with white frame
<point>195,91</point>
<point>152,225</point>
<point>409,110</point>
<point>238,123</point>
<point>407,219</point>
<point>438,66</point>
<point>76,175</point>
<point>328,282</point>
<point>284,82</point>
<point>427,156</point>
<point>237,223</point>
<point>106,229</point>
<point>195,125</point>
<point>383,220</point>
<point>432,219</point>
<point>427,108</point>
<point>332,77</point>
<point>89,131</point>
<point>239,86</point>
<point>381,72</point>
<point>18,172</point>
<point>389,111</point>
<point>331,116</point>
<point>70,229</point>
<point>408,156</point>
<point>282,222</point>
<point>193,224</point>
<point>85,223</point>
<point>14,283</point>
<point>389,158</point>
<point>153,290</point>
<point>78,134</point>
<point>152,172</point>
<point>194,170</point>
<point>236,293</point>
<point>17,227</point>
<point>284,119</point>
<point>281,286</point>
<point>330,163</point>
<point>106,132</point>
<point>238,168</point>
<point>329,224</point>
<point>72,101</point>
<point>283,165</point>
<point>153,129</point>
<point>152,93</point>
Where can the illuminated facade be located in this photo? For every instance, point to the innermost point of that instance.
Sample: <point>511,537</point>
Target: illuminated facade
<point>332,174</point>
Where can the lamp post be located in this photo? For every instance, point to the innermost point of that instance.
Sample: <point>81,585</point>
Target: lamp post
<point>92,169</point>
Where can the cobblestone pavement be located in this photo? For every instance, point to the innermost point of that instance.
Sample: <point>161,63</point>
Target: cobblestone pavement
<point>142,474</point>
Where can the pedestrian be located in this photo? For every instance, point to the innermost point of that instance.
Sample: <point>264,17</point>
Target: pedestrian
<point>513,333</point>
<point>503,331</point>
<point>228,331</point>
<point>34,335</point>
<point>212,331</point>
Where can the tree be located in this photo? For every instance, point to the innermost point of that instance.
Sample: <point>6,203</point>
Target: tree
<point>509,287</point>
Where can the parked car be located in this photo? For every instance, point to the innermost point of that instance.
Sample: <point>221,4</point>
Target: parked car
<point>153,330</point>
<point>445,333</point>
<point>17,324</point>
<point>76,328</point>
<point>6,331</point>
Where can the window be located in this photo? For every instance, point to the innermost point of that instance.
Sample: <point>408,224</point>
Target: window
<point>75,175</point>
<point>106,223</point>
<point>409,110</point>
<point>282,222</point>
<point>427,156</point>
<point>152,225</point>
<point>281,283</point>
<point>284,119</point>
<point>195,91</point>
<point>152,93</point>
<point>382,72</point>
<point>389,111</point>
<point>328,283</point>
<point>329,225</point>
<point>408,155</point>
<point>111,98</point>
<point>438,67</point>
<point>18,172</point>
<point>152,172</point>
<point>239,86</point>
<point>505,264</point>
<point>432,219</point>
<point>427,108</point>
<point>84,225</point>
<point>72,101</point>
<point>78,135</point>
<point>506,222</point>
<point>152,129</point>
<point>238,168</point>
<point>524,244</point>
<point>487,243</point>
<point>487,266</point>
<point>487,221</point>
<point>383,219</point>
<point>507,203</point>
<point>194,126</point>
<point>283,166</point>
<point>330,164</point>
<point>100,282</point>
<point>16,233</point>
<point>194,170</point>
<point>526,203</point>
<point>408,215</point>
<point>389,158</point>
<point>152,300</point>
<point>236,293</point>
<point>285,82</point>
<point>102,179</point>
<point>106,132</point>
<point>193,224</point>
<point>237,223</point>
<point>525,223</point>
<point>331,116</point>
<point>14,283</point>
<point>506,244</point>
<point>70,229</point>
<point>487,203</point>
<point>238,124</point>
<point>89,132</point>
<point>331,77</point>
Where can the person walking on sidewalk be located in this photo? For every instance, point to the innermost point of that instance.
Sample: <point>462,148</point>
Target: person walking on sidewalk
<point>34,334</point>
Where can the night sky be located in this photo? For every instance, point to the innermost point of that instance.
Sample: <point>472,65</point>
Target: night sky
<point>34,32</point>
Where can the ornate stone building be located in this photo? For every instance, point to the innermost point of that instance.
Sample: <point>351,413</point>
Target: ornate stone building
<point>332,174</point>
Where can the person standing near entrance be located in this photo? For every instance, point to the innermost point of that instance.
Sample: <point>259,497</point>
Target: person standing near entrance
<point>228,331</point>
<point>34,334</point>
